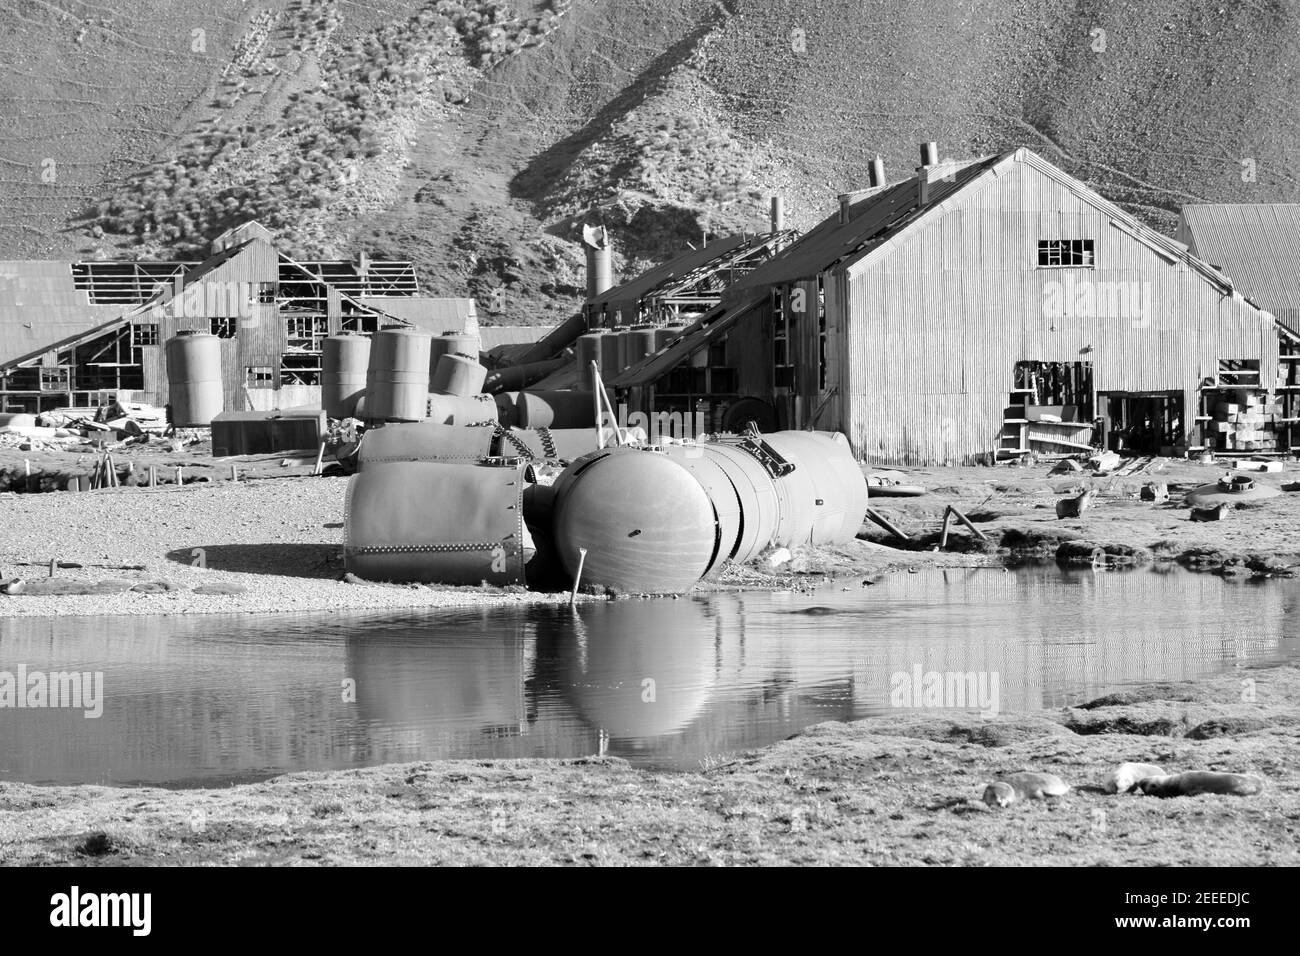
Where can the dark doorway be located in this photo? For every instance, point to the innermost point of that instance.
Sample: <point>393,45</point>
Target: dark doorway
<point>1065,384</point>
<point>1142,422</point>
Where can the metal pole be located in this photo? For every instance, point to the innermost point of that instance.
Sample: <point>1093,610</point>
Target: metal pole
<point>577,578</point>
<point>595,394</point>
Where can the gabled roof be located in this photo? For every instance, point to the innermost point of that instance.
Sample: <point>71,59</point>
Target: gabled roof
<point>1257,244</point>
<point>674,268</point>
<point>39,302</point>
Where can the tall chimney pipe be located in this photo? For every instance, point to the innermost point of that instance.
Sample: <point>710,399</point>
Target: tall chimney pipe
<point>845,199</point>
<point>778,214</point>
<point>877,172</point>
<point>929,154</point>
<point>600,262</point>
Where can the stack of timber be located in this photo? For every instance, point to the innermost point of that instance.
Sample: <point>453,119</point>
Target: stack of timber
<point>1243,420</point>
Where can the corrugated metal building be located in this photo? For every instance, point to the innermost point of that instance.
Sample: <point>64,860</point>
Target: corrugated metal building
<point>99,332</point>
<point>973,310</point>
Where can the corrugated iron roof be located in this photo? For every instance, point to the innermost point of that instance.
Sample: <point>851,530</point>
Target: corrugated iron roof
<point>426,313</point>
<point>687,262</point>
<point>699,334</point>
<point>1257,244</point>
<point>39,304</point>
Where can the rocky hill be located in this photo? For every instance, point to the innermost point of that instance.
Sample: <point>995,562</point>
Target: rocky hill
<point>475,136</point>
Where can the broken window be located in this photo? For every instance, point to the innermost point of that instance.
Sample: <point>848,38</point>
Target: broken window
<point>223,327</point>
<point>782,363</point>
<point>1238,373</point>
<point>266,292</point>
<point>300,369</point>
<point>1065,252</point>
<point>259,376</point>
<point>306,333</point>
<point>145,333</point>
<point>55,378</point>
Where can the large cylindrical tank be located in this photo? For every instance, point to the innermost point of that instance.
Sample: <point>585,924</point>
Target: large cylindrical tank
<point>435,522</point>
<point>611,354</point>
<point>722,494</point>
<point>425,441</point>
<point>194,378</point>
<point>558,444</point>
<point>756,493</point>
<point>640,343</point>
<point>397,378</point>
<point>457,374</point>
<point>452,343</point>
<point>345,359</point>
<point>839,488</point>
<point>647,525</point>
<point>460,409</point>
<point>556,409</point>
<point>515,377</point>
<point>588,349</point>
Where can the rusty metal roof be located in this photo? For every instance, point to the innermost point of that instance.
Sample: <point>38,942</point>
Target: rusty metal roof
<point>40,304</point>
<point>1257,244</point>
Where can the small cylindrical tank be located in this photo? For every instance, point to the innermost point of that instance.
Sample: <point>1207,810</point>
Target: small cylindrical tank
<point>646,523</point>
<point>640,343</point>
<point>194,378</point>
<point>345,359</point>
<point>397,378</point>
<point>555,409</point>
<point>424,441</point>
<point>452,343</point>
<point>460,409</point>
<point>457,374</point>
<point>588,349</point>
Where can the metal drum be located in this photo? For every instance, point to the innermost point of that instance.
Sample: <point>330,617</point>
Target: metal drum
<point>833,484</point>
<point>611,354</point>
<point>457,374</point>
<point>756,493</point>
<point>397,378</point>
<point>647,525</point>
<point>588,349</point>
<point>722,494</point>
<point>194,378</point>
<point>344,361</point>
<point>435,522</point>
<point>556,409</point>
<point>452,343</point>
<point>425,441</point>
<point>460,409</point>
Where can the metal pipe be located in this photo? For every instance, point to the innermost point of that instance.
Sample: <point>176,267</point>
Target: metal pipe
<point>778,214</point>
<point>577,577</point>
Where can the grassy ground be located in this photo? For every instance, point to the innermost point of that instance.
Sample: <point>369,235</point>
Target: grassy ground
<point>902,789</point>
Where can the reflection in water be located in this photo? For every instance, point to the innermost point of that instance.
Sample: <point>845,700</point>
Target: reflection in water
<point>192,699</point>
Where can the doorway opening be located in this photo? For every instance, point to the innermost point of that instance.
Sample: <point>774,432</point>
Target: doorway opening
<point>1142,422</point>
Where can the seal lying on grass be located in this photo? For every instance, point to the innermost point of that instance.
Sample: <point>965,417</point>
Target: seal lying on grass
<point>1125,777</point>
<point>1194,782</point>
<point>1024,786</point>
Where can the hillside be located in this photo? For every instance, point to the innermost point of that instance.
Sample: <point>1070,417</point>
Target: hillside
<point>475,137</point>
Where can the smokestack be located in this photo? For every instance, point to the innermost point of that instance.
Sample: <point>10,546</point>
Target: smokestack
<point>778,214</point>
<point>929,160</point>
<point>600,262</point>
<point>877,172</point>
<point>845,198</point>
<point>929,154</point>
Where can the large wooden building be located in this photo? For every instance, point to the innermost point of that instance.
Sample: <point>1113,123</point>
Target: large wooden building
<point>975,310</point>
<point>86,333</point>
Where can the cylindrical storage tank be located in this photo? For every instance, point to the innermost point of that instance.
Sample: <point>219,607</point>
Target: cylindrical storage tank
<point>397,378</point>
<point>194,378</point>
<point>640,343</point>
<point>435,522</point>
<point>345,359</point>
<point>521,376</point>
<point>722,494</point>
<point>556,409</point>
<point>425,441</point>
<point>587,350</point>
<point>611,354</point>
<point>452,343</point>
<point>825,498</point>
<point>460,409</point>
<point>756,493</point>
<point>457,374</point>
<point>647,525</point>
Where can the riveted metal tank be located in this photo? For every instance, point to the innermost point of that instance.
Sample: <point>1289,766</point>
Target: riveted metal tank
<point>457,374</point>
<point>756,493</point>
<point>588,349</point>
<point>425,441</point>
<point>460,409</point>
<point>556,409</point>
<point>722,495</point>
<point>611,353</point>
<point>452,343</point>
<point>640,343</point>
<point>646,523</point>
<point>345,359</point>
<point>436,522</point>
<point>832,498</point>
<point>194,378</point>
<point>397,377</point>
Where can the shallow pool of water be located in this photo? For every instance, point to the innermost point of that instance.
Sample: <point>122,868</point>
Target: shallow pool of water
<point>206,699</point>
